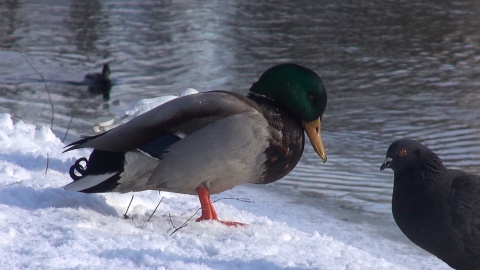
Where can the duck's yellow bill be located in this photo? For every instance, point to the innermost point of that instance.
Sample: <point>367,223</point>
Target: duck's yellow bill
<point>313,131</point>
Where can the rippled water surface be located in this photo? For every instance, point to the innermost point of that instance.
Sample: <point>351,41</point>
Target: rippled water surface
<point>392,69</point>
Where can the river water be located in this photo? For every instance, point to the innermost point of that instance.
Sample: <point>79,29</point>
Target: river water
<point>392,69</point>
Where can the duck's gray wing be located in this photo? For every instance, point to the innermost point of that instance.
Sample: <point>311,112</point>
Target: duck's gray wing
<point>226,153</point>
<point>180,117</point>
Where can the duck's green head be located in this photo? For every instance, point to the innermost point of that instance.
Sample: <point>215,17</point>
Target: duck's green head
<point>300,91</point>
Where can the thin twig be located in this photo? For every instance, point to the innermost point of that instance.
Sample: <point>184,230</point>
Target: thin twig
<point>171,221</point>
<point>48,160</point>
<point>34,121</point>
<point>186,222</point>
<point>125,216</point>
<point>71,119</point>
<point>154,210</point>
<point>246,200</point>
<point>46,88</point>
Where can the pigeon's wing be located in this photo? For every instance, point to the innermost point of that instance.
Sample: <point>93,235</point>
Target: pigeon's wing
<point>465,201</point>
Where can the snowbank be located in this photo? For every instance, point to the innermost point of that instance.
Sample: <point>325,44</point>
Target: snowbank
<point>43,226</point>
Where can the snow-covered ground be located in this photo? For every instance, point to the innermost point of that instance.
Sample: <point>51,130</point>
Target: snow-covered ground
<point>44,227</point>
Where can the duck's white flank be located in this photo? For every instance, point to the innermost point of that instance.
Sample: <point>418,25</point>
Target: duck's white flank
<point>87,182</point>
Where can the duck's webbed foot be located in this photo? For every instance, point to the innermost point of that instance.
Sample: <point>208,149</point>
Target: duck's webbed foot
<point>208,211</point>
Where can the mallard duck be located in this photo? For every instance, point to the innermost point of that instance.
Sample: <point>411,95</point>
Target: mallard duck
<point>209,142</point>
<point>437,208</point>
<point>99,83</point>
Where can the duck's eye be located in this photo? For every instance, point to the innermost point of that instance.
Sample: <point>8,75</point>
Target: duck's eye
<point>403,152</point>
<point>311,97</point>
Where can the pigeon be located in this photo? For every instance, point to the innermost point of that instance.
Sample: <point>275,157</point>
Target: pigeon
<point>437,208</point>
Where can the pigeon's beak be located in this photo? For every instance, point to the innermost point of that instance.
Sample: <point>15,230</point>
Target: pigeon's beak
<point>386,164</point>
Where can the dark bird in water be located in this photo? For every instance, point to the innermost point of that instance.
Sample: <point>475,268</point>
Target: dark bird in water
<point>437,208</point>
<point>209,142</point>
<point>99,83</point>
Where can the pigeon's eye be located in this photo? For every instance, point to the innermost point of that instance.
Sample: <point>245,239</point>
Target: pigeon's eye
<point>403,152</point>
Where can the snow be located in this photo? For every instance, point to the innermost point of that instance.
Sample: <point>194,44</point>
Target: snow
<point>46,227</point>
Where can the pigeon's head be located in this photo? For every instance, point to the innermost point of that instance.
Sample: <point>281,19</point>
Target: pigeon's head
<point>405,153</point>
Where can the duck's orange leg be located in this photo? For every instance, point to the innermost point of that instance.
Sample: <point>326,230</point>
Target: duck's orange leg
<point>208,211</point>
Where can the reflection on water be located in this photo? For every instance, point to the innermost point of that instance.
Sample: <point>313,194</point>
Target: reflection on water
<point>393,69</point>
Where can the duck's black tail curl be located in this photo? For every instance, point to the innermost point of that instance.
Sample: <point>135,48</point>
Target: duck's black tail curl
<point>79,168</point>
<point>99,173</point>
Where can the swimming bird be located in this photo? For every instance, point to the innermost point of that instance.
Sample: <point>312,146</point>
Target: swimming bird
<point>209,142</point>
<point>437,208</point>
<point>99,83</point>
